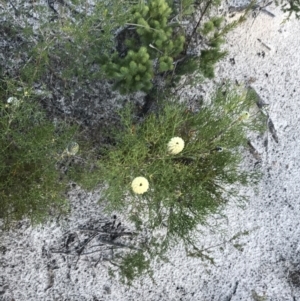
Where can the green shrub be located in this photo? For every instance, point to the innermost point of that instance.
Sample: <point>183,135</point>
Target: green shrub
<point>81,48</point>
<point>156,182</point>
<point>156,41</point>
<point>176,167</point>
<point>30,183</point>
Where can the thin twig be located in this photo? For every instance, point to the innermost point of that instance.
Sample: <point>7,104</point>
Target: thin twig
<point>208,3</point>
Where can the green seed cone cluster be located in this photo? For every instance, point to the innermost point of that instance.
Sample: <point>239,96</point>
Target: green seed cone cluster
<point>156,41</point>
<point>133,73</point>
<point>154,29</point>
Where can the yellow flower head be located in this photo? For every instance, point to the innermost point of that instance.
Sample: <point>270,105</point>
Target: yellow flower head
<point>245,115</point>
<point>72,149</point>
<point>175,145</point>
<point>13,101</point>
<point>140,185</point>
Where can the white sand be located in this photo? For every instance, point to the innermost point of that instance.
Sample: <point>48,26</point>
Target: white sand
<point>267,263</point>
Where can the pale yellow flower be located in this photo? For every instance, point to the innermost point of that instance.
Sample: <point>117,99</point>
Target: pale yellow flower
<point>72,149</point>
<point>140,185</point>
<point>245,115</point>
<point>13,101</point>
<point>175,145</point>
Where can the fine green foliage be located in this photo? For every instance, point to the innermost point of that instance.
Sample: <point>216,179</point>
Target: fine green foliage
<point>185,187</point>
<point>30,184</point>
<point>214,32</point>
<point>89,40</point>
<point>133,265</point>
<point>290,6</point>
<point>209,57</point>
<point>69,46</point>
<point>208,60</point>
<point>211,31</point>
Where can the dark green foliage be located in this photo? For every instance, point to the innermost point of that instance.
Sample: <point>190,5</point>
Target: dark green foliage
<point>133,73</point>
<point>39,64</point>
<point>214,35</point>
<point>153,28</point>
<point>70,47</point>
<point>290,7</point>
<point>184,188</point>
<point>90,40</point>
<point>209,57</point>
<point>207,27</point>
<point>30,184</point>
<point>217,21</point>
<point>165,63</point>
<point>208,60</point>
<point>133,265</point>
<point>156,40</point>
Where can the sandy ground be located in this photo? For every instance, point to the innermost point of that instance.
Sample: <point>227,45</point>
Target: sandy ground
<point>262,265</point>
